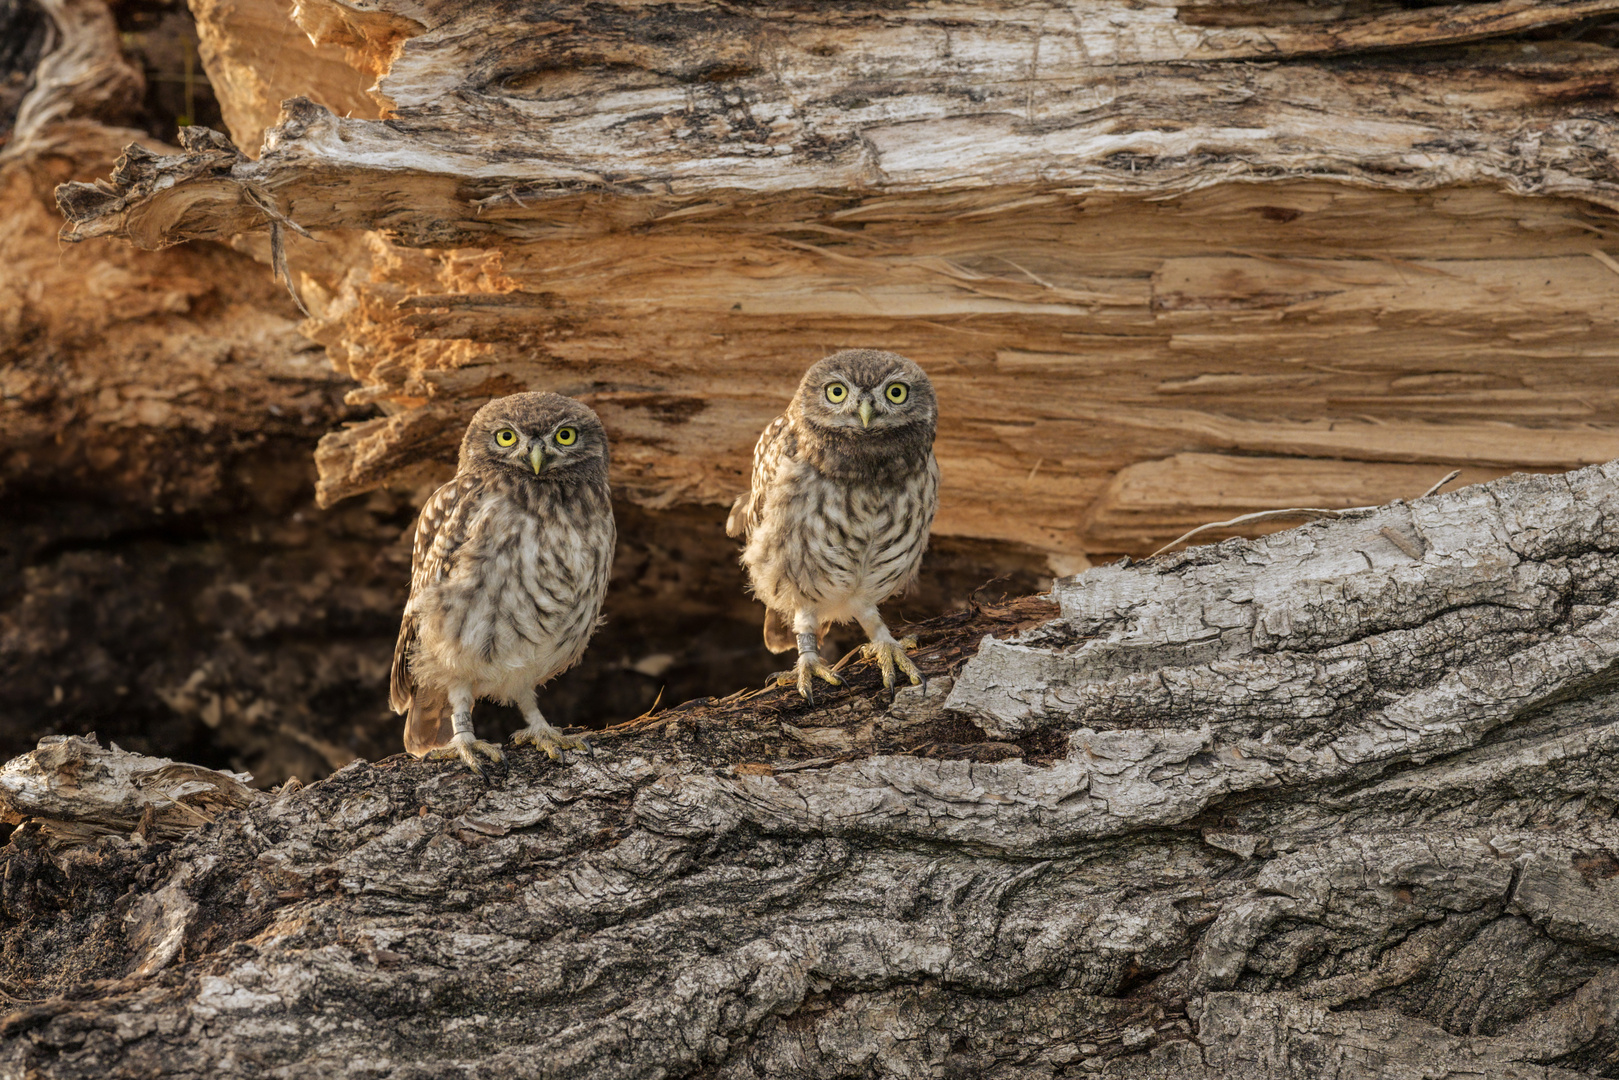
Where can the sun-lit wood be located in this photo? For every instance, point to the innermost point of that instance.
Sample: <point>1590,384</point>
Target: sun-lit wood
<point>1124,247</point>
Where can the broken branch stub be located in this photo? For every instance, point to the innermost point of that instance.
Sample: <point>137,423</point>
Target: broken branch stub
<point>75,789</point>
<point>1306,805</point>
<point>213,200</point>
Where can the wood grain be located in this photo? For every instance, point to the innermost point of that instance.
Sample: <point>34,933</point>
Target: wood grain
<point>1114,235</point>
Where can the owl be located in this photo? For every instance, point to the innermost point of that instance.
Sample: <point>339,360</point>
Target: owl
<point>844,490</point>
<point>508,573</point>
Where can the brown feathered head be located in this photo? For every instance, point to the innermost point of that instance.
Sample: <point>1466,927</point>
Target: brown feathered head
<point>539,438</point>
<point>868,390</point>
<point>865,412</point>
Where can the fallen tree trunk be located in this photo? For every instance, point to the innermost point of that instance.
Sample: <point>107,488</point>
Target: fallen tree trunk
<point>1165,264</point>
<point>1335,802</point>
<point>1401,272</point>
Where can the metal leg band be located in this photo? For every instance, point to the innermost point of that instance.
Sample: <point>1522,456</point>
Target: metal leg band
<point>806,644</point>
<point>461,723</point>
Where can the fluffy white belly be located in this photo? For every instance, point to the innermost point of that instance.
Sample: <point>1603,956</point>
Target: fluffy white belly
<point>513,620</point>
<point>501,677</point>
<point>850,550</point>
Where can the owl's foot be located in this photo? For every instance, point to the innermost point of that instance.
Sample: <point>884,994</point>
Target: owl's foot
<point>810,667</point>
<point>891,654</point>
<point>466,747</point>
<point>550,740</point>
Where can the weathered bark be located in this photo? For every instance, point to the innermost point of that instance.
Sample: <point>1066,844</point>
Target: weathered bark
<point>74,791</point>
<point>1306,806</point>
<point>1161,260</point>
<point>1338,800</point>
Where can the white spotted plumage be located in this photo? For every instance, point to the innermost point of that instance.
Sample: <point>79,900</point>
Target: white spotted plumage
<point>837,547</point>
<point>504,641</point>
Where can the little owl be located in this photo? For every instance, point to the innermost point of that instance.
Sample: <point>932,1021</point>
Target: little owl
<point>507,577</point>
<point>844,489</point>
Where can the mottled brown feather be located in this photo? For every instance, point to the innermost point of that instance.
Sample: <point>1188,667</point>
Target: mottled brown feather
<point>837,514</point>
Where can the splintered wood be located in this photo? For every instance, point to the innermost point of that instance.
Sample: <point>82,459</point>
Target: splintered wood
<point>75,790</point>
<point>1156,282</point>
<point>1108,367</point>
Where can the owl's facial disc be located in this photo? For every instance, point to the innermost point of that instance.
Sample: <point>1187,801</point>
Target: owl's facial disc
<point>878,400</point>
<point>534,452</point>
<point>518,448</point>
<point>874,408</point>
<point>844,400</point>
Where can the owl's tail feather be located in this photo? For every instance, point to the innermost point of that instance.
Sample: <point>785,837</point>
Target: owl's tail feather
<point>427,726</point>
<point>779,632</point>
<point>779,636</point>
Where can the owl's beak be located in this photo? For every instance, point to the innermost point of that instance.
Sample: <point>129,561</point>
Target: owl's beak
<point>865,414</point>
<point>536,458</point>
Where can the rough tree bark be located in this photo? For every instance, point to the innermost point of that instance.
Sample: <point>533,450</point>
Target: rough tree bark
<point>1162,259</point>
<point>1339,800</point>
<point>1336,802</point>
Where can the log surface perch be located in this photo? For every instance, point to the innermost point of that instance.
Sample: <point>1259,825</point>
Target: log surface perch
<point>1302,806</point>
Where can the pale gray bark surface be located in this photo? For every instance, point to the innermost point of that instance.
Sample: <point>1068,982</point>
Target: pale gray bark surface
<point>1308,806</point>
<point>498,108</point>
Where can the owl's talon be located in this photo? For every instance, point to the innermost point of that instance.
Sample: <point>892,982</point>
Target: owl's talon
<point>891,654</point>
<point>466,747</point>
<point>810,667</point>
<point>551,741</point>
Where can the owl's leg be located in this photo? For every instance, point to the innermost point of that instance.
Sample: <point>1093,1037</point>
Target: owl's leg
<point>464,744</point>
<point>888,653</point>
<point>542,735</point>
<point>810,666</point>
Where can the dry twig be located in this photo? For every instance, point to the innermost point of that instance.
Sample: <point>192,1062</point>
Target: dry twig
<point>1313,513</point>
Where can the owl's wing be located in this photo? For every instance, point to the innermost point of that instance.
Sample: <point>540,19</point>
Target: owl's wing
<point>748,509</point>
<point>440,531</point>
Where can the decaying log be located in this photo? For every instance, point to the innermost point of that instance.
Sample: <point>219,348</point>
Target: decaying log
<point>166,578</point>
<point>1167,264</point>
<point>499,105</point>
<point>75,790</point>
<point>1305,806</point>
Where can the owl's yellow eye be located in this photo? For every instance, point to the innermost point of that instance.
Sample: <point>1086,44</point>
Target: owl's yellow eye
<point>566,436</point>
<point>836,393</point>
<point>898,392</point>
<point>506,437</point>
